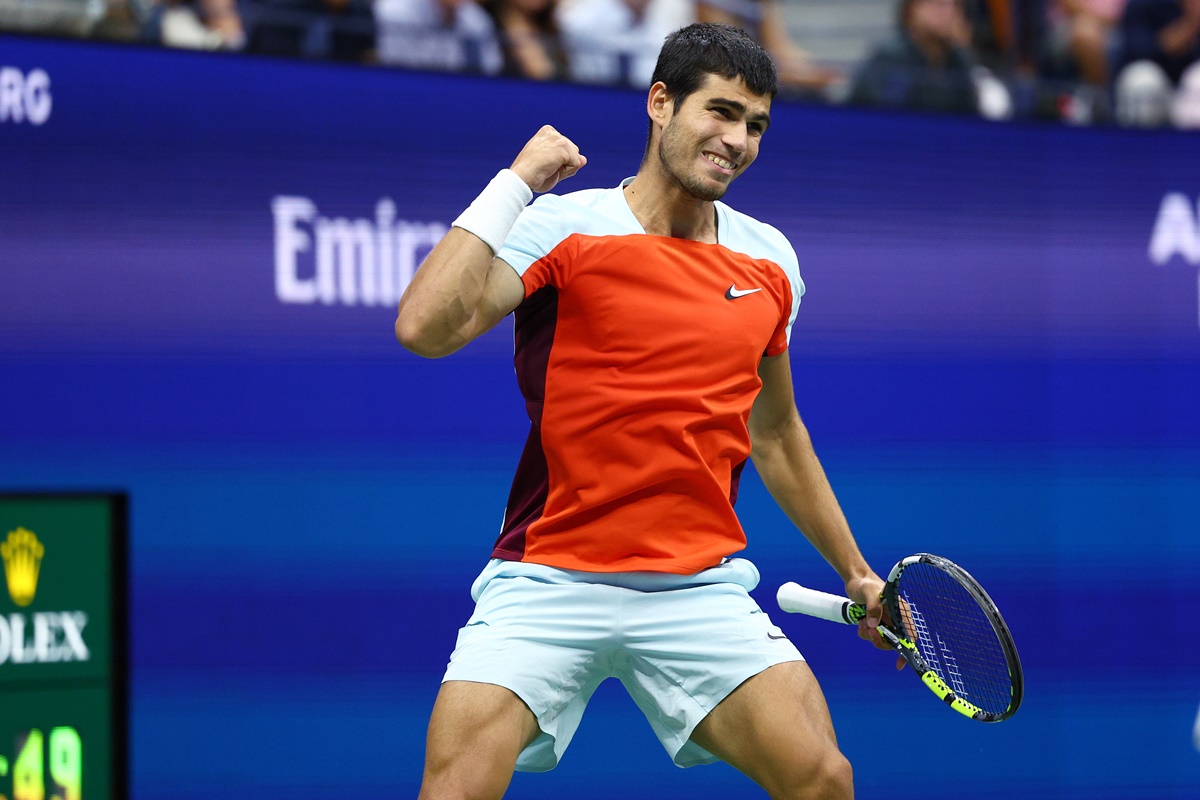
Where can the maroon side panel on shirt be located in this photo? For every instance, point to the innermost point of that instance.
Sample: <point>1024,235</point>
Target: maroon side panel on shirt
<point>735,480</point>
<point>533,337</point>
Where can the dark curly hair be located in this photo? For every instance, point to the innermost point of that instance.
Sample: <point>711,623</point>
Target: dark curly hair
<point>690,54</point>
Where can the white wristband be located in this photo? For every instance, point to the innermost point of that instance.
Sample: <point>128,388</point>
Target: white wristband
<point>494,212</point>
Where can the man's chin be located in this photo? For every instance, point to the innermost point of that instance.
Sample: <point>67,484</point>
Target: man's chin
<point>710,192</point>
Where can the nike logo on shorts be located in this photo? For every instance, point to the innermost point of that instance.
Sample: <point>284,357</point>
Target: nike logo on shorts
<point>776,633</point>
<point>732,293</point>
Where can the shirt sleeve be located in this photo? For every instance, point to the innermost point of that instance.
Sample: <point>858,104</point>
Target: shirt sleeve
<point>798,288</point>
<point>534,247</point>
<point>792,291</point>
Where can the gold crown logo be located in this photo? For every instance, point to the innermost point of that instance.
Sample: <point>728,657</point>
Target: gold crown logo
<point>22,555</point>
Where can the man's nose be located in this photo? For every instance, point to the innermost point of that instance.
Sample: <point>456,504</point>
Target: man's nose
<point>736,136</point>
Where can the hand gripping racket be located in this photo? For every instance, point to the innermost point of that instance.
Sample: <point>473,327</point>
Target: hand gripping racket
<point>946,628</point>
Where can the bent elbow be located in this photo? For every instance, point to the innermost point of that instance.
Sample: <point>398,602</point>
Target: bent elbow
<point>419,339</point>
<point>413,338</point>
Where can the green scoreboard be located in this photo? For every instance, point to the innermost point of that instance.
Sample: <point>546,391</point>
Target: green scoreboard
<point>63,679</point>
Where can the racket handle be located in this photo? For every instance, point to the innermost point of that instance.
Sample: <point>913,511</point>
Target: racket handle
<point>796,599</point>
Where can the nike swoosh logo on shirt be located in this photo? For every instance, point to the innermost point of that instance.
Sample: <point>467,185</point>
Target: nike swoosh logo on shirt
<point>733,292</point>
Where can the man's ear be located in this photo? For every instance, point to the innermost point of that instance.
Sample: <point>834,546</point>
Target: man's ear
<point>659,104</point>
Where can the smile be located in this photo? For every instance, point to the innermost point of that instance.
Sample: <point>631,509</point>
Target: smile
<point>728,166</point>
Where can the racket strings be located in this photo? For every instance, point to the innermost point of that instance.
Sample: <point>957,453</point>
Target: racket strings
<point>955,636</point>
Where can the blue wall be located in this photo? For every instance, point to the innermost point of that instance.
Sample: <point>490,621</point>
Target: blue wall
<point>994,366</point>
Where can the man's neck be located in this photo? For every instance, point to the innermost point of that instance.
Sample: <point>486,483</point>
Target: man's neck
<point>665,209</point>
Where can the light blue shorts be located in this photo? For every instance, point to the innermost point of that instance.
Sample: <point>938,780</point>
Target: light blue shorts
<point>680,644</point>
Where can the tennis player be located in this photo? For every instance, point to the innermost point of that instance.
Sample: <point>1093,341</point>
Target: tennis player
<point>652,324</point>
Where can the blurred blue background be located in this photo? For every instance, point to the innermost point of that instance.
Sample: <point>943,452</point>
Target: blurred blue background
<point>994,366</point>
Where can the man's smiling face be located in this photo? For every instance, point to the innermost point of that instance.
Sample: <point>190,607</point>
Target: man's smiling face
<point>713,136</point>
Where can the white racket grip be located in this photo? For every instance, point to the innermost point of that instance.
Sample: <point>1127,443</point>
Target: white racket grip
<point>796,599</point>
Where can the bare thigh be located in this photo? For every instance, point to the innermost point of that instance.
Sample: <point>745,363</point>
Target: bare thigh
<point>776,729</point>
<point>476,732</point>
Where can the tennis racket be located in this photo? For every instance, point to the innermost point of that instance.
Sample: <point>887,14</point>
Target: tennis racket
<point>944,625</point>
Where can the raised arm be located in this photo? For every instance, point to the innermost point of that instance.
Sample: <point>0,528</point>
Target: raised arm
<point>784,457</point>
<point>461,289</point>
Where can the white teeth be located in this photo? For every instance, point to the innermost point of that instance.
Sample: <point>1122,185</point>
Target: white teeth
<point>720,162</point>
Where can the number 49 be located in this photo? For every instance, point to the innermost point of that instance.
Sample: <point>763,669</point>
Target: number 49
<point>66,766</point>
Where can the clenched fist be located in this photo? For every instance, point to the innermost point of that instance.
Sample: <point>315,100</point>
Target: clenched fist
<point>546,159</point>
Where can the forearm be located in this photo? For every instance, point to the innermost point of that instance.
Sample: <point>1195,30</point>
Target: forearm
<point>445,304</point>
<point>773,32</point>
<point>789,468</point>
<point>461,290</point>
<point>1179,37</point>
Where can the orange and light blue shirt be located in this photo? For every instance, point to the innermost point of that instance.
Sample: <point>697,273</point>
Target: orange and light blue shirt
<point>638,359</point>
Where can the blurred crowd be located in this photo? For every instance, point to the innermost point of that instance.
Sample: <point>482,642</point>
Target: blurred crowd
<point>1129,62</point>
